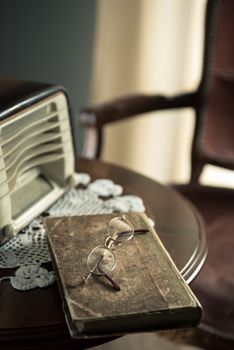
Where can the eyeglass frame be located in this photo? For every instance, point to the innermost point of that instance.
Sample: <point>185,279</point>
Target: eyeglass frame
<point>109,241</point>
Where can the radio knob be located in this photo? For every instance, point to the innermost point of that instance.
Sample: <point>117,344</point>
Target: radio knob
<point>10,231</point>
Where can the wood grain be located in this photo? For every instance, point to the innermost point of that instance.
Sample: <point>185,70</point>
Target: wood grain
<point>29,317</point>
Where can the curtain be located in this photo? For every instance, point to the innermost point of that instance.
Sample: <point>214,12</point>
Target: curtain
<point>149,46</point>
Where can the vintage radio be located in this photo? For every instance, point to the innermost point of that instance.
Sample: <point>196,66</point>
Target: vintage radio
<point>36,152</point>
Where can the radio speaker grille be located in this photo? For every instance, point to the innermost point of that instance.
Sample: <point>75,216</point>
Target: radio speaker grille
<point>35,144</point>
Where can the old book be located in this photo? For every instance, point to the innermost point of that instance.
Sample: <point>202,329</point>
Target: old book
<point>153,294</point>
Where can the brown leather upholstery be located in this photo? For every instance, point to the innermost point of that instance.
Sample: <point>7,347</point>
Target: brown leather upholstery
<point>218,115</point>
<point>213,143</point>
<point>214,285</point>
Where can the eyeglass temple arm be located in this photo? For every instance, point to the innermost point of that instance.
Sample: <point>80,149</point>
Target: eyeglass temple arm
<point>141,230</point>
<point>114,284</point>
<point>137,231</point>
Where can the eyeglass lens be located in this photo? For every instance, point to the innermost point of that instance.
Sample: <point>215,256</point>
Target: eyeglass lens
<point>101,261</point>
<point>120,230</point>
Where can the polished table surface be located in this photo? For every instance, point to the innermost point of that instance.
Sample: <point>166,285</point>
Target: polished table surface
<point>35,318</point>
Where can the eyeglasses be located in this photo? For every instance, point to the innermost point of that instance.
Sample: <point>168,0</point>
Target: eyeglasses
<point>101,260</point>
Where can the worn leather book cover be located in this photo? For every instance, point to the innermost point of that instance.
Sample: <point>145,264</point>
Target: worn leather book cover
<point>152,294</point>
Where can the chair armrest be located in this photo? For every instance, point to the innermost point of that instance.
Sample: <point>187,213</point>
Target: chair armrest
<point>132,105</point>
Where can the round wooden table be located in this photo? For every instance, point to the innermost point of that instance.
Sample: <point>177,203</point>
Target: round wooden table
<point>35,318</point>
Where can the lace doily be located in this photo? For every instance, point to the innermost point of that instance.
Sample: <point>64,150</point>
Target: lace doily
<point>28,250</point>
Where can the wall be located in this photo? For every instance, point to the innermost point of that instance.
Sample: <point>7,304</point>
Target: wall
<point>49,41</point>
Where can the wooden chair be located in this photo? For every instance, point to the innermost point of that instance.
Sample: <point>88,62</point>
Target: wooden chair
<point>213,143</point>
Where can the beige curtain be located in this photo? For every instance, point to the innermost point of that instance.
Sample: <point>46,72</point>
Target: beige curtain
<point>150,46</point>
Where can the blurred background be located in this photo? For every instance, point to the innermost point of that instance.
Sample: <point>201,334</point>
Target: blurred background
<point>152,46</point>
<point>103,49</point>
